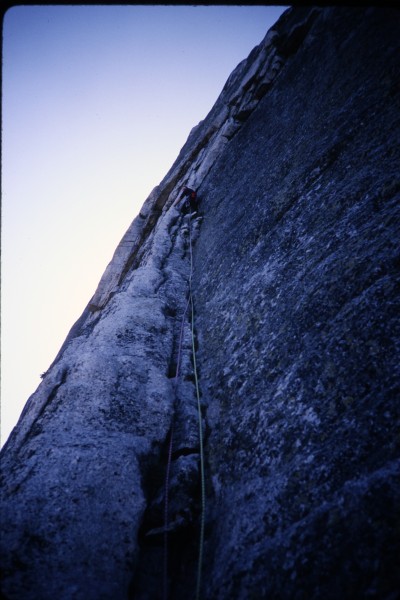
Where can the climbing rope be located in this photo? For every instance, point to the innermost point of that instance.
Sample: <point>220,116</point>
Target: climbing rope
<point>200,419</point>
<point>169,461</point>
<point>201,447</point>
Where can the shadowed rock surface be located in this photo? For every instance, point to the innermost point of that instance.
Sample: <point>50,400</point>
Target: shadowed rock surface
<point>295,284</point>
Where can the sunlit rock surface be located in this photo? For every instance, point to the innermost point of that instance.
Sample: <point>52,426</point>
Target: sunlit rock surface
<point>295,284</point>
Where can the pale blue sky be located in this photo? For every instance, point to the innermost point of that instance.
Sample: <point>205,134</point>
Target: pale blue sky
<point>97,103</point>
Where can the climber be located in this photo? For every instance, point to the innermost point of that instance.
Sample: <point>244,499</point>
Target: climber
<point>188,201</point>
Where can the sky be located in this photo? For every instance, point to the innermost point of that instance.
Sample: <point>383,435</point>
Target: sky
<point>97,102</point>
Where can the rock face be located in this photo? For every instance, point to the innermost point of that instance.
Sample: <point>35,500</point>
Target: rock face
<point>295,287</point>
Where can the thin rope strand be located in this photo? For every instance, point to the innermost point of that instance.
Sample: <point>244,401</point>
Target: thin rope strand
<point>169,462</point>
<point>200,418</point>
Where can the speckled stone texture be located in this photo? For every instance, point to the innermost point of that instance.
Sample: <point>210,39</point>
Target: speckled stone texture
<point>296,281</point>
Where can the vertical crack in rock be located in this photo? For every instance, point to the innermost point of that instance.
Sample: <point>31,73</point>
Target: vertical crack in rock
<point>296,286</point>
<point>183,485</point>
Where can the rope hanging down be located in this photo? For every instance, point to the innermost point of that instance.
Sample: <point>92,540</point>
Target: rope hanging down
<point>201,447</point>
<point>200,418</point>
<point>169,461</point>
